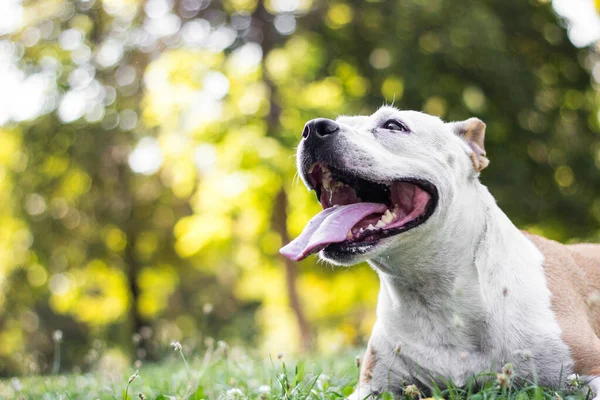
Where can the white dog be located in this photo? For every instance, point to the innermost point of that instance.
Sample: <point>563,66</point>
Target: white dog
<point>462,289</point>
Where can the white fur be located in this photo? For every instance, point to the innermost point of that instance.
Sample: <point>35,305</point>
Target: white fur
<point>593,382</point>
<point>465,291</point>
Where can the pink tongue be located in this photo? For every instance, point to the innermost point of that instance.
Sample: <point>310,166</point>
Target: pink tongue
<point>329,226</point>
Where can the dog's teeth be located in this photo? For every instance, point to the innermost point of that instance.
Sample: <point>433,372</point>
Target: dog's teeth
<point>380,224</point>
<point>387,217</point>
<point>370,227</point>
<point>361,230</point>
<point>312,168</point>
<point>336,186</point>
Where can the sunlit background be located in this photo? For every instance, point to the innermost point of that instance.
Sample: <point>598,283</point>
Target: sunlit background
<point>146,157</point>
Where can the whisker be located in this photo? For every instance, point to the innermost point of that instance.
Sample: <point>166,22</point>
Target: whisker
<point>295,154</point>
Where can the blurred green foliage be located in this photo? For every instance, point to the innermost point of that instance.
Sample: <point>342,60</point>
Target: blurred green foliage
<point>147,179</point>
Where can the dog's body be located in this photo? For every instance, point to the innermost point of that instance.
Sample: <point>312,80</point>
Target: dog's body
<point>526,301</point>
<point>462,289</point>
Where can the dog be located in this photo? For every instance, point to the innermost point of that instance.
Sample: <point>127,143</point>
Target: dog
<point>462,290</point>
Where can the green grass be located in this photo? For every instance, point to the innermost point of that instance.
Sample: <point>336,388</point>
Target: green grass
<point>226,374</point>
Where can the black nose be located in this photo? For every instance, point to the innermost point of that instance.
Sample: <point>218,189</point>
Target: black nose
<point>319,127</point>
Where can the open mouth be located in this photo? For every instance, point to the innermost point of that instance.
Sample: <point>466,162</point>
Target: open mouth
<point>357,212</point>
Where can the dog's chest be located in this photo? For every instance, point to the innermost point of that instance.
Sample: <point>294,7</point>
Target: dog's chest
<point>431,348</point>
<point>507,319</point>
<point>428,344</point>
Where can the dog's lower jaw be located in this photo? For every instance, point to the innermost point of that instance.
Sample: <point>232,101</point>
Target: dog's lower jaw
<point>384,248</point>
<point>342,258</point>
<point>335,255</point>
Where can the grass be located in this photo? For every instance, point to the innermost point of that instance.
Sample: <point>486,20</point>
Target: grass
<point>222,373</point>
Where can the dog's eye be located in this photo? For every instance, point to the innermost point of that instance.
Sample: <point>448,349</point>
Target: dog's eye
<point>394,125</point>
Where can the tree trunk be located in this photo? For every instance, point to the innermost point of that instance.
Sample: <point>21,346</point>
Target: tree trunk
<point>132,274</point>
<point>291,271</point>
<point>270,37</point>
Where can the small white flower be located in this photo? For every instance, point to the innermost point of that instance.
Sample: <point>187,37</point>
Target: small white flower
<point>557,396</point>
<point>223,347</point>
<point>573,380</point>
<point>133,377</point>
<point>508,370</point>
<point>207,308</point>
<point>222,344</point>
<point>176,345</point>
<point>16,384</point>
<point>136,338</point>
<point>57,336</point>
<point>503,380</point>
<point>412,392</point>
<point>264,389</point>
<point>235,394</point>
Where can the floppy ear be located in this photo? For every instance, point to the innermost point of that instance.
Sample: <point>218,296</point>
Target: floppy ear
<point>472,131</point>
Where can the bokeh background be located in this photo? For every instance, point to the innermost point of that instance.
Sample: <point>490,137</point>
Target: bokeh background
<point>147,171</point>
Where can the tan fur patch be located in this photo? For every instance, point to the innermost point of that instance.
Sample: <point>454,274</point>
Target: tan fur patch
<point>479,162</point>
<point>369,361</point>
<point>573,276</point>
<point>475,133</point>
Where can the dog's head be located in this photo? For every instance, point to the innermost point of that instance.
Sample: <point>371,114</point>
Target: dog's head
<point>381,179</point>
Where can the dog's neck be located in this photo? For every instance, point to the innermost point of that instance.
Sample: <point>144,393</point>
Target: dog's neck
<point>431,261</point>
<point>446,272</point>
